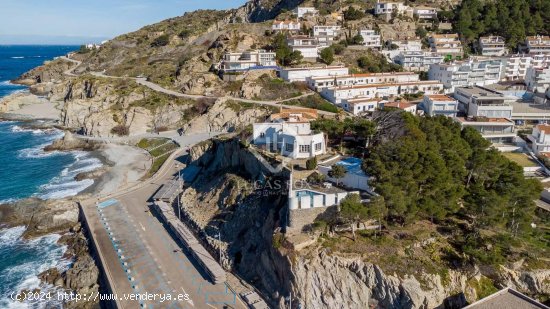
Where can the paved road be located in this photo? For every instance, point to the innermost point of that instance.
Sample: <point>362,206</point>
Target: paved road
<point>158,88</point>
<point>141,256</point>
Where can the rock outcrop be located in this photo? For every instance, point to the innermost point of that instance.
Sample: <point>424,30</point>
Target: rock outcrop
<point>82,277</point>
<point>40,217</point>
<point>69,142</point>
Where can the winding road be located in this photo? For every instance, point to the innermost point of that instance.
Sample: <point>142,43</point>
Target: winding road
<point>158,88</point>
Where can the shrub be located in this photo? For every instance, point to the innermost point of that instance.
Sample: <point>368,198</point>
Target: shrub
<point>121,130</point>
<point>311,163</point>
<point>162,40</point>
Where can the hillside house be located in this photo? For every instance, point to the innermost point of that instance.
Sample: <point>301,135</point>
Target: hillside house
<point>302,11</point>
<point>289,134</point>
<point>425,12</point>
<point>540,139</point>
<point>286,25</point>
<point>492,46</point>
<point>417,60</point>
<point>402,105</point>
<point>538,44</point>
<point>371,38</point>
<point>308,46</point>
<point>515,66</point>
<point>326,35</point>
<point>439,104</point>
<point>301,74</point>
<point>484,102</point>
<point>361,106</point>
<point>495,130</point>
<point>447,45</point>
<point>247,60</point>
<point>476,71</point>
<point>537,79</point>
<point>318,83</point>
<point>386,90</point>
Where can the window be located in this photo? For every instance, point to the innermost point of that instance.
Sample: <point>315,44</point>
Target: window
<point>289,147</point>
<point>305,148</point>
<point>262,135</point>
<point>318,146</point>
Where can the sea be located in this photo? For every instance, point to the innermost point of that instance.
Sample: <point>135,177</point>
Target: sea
<point>27,171</point>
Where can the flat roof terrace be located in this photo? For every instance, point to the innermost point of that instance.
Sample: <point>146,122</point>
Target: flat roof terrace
<point>522,110</point>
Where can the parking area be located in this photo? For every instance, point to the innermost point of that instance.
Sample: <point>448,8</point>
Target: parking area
<point>155,263</point>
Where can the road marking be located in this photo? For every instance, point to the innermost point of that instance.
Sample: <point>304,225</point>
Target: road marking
<point>211,306</point>
<point>142,227</point>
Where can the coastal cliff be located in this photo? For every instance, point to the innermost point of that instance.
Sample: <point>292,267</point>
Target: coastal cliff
<point>226,197</point>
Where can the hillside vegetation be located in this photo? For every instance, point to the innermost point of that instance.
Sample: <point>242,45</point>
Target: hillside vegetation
<point>439,181</point>
<point>511,19</point>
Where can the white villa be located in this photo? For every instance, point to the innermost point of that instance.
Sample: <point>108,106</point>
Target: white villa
<point>308,46</point>
<point>371,38</point>
<point>540,139</point>
<point>247,60</point>
<point>301,74</point>
<point>326,34</point>
<point>478,71</point>
<point>318,83</point>
<point>446,44</point>
<point>302,11</point>
<point>417,60</point>
<point>337,94</point>
<point>287,25</point>
<point>492,46</point>
<point>289,134</point>
<point>439,104</point>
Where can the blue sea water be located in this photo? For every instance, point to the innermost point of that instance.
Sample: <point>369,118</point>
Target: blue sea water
<point>27,171</point>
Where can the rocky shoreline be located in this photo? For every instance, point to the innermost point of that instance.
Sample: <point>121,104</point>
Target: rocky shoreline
<point>58,217</point>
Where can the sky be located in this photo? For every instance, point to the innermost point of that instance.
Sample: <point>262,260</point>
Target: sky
<point>87,21</point>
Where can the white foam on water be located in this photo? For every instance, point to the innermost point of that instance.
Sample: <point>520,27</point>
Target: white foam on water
<point>26,274</point>
<point>18,57</point>
<point>10,236</point>
<point>65,185</point>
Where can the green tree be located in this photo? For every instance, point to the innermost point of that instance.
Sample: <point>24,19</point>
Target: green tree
<point>377,209</point>
<point>337,172</point>
<point>353,211</point>
<point>327,55</point>
<point>421,32</point>
<point>353,14</point>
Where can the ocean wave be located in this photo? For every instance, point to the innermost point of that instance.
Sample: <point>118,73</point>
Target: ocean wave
<point>8,201</point>
<point>17,57</point>
<point>10,236</point>
<point>18,129</point>
<point>46,254</point>
<point>37,152</point>
<point>65,185</point>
